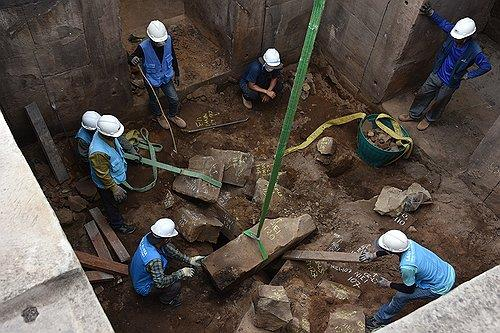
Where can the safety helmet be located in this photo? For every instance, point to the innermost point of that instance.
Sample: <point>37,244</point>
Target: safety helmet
<point>272,60</point>
<point>109,125</point>
<point>394,241</point>
<point>157,31</point>
<point>164,228</point>
<point>464,28</point>
<point>89,120</point>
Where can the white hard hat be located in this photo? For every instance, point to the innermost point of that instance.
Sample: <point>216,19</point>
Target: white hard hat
<point>464,28</point>
<point>157,31</point>
<point>110,126</point>
<point>394,241</point>
<point>272,60</point>
<point>89,120</point>
<point>164,228</point>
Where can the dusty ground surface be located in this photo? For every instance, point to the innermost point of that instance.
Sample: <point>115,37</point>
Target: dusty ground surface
<point>456,226</point>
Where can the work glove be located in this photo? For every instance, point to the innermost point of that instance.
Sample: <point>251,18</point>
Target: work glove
<point>177,81</point>
<point>119,193</point>
<point>426,9</point>
<point>196,261</point>
<point>367,256</point>
<point>135,61</point>
<point>383,282</point>
<point>185,272</point>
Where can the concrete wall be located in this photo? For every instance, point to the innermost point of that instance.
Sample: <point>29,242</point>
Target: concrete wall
<point>65,51</point>
<point>493,27</point>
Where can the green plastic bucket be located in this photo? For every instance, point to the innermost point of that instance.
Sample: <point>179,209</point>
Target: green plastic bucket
<point>371,154</point>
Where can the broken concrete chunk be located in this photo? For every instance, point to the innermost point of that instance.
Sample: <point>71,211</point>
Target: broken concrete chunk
<point>280,194</point>
<point>77,203</point>
<point>393,201</point>
<point>335,291</point>
<point>198,188</point>
<point>241,258</point>
<point>194,226</point>
<point>325,145</point>
<point>86,188</point>
<point>237,165</point>
<point>348,320</point>
<point>271,308</point>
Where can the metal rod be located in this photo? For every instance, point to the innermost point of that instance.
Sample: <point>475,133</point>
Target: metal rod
<point>215,126</point>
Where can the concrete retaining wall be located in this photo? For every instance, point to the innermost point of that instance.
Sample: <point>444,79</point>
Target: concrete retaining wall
<point>65,51</point>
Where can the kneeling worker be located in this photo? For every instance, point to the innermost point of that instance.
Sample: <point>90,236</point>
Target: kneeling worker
<point>261,79</point>
<point>424,274</point>
<point>108,169</point>
<point>150,262</point>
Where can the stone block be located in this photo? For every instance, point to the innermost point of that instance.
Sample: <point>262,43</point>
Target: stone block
<point>271,308</point>
<point>335,291</point>
<point>237,165</point>
<point>76,203</point>
<point>86,188</point>
<point>297,325</point>
<point>241,258</point>
<point>198,188</point>
<point>65,216</point>
<point>346,320</point>
<point>280,194</point>
<point>195,226</point>
<point>325,146</point>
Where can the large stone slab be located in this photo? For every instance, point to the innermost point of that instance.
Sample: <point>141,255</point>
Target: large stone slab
<point>271,308</point>
<point>280,196</point>
<point>198,188</point>
<point>241,258</point>
<point>237,165</point>
<point>346,320</point>
<point>195,226</point>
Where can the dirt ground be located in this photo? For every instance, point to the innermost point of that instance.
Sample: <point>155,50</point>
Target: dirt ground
<point>456,226</point>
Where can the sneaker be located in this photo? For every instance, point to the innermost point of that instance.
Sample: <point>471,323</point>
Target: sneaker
<point>125,229</point>
<point>248,104</point>
<point>178,121</point>
<point>163,122</point>
<point>405,118</point>
<point>423,125</point>
<point>371,324</point>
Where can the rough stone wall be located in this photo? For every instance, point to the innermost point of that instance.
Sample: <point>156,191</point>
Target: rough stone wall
<point>67,52</point>
<point>493,27</point>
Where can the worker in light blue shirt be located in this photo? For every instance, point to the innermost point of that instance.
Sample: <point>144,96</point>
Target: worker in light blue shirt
<point>424,275</point>
<point>458,53</point>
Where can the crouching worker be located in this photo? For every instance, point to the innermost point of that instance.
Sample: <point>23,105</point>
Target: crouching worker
<point>108,169</point>
<point>261,81</point>
<point>424,275</point>
<point>150,262</point>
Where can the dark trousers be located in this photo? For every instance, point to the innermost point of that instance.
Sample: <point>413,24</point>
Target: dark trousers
<point>168,293</point>
<point>172,98</point>
<point>252,95</point>
<point>432,90</point>
<point>113,215</point>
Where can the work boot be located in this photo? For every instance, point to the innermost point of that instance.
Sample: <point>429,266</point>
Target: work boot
<point>125,229</point>
<point>178,121</point>
<point>371,324</point>
<point>423,125</point>
<point>405,118</point>
<point>248,104</point>
<point>163,122</point>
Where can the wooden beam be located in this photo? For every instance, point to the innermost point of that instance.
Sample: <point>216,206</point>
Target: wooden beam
<point>321,256</point>
<point>97,240</point>
<point>100,264</point>
<point>110,235</point>
<point>96,276</point>
<point>48,145</point>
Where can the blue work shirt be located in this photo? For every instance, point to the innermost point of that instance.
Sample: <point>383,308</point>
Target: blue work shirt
<point>256,73</point>
<point>446,70</point>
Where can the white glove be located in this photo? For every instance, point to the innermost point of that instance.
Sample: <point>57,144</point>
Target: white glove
<point>196,261</point>
<point>119,193</point>
<point>383,282</point>
<point>185,272</point>
<point>367,256</point>
<point>135,61</point>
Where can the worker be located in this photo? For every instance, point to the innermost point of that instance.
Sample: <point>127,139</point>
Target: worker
<point>459,52</point>
<point>424,275</point>
<point>86,133</point>
<point>159,64</point>
<point>108,169</point>
<point>150,262</point>
<point>261,80</point>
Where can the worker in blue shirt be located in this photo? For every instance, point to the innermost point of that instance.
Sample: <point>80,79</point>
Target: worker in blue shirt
<point>424,275</point>
<point>459,52</point>
<point>261,82</point>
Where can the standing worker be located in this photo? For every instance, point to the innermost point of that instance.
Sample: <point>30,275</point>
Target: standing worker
<point>150,262</point>
<point>108,170</point>
<point>261,80</point>
<point>424,274</point>
<point>160,66</point>
<point>459,52</point>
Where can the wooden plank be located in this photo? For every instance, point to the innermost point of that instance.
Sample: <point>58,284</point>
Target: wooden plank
<point>110,235</point>
<point>48,145</point>
<point>96,276</point>
<point>321,256</point>
<point>97,240</point>
<point>100,264</point>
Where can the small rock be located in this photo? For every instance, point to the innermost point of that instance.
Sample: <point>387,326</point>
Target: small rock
<point>271,308</point>
<point>412,229</point>
<point>98,290</point>
<point>29,314</point>
<point>390,201</point>
<point>325,145</point>
<point>370,134</point>
<point>297,325</point>
<point>65,216</point>
<point>169,200</point>
<point>86,188</point>
<point>77,203</point>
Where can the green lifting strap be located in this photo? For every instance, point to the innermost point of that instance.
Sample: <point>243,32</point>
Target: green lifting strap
<point>305,56</point>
